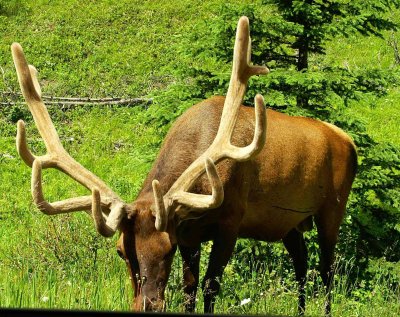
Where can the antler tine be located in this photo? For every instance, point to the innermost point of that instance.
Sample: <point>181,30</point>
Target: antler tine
<point>181,197</point>
<point>34,75</point>
<point>102,198</point>
<point>241,72</point>
<point>159,207</point>
<point>249,151</point>
<point>221,146</point>
<point>22,146</point>
<point>110,225</point>
<point>204,201</point>
<point>32,96</point>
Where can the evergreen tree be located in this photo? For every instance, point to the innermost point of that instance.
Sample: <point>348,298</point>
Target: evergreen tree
<point>317,22</point>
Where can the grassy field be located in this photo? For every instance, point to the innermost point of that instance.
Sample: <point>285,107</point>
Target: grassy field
<point>381,115</point>
<point>127,49</point>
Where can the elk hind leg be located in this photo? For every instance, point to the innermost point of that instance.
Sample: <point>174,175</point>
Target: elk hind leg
<point>328,223</point>
<point>295,245</point>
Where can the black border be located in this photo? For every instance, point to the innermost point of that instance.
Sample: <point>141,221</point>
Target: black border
<point>5,312</point>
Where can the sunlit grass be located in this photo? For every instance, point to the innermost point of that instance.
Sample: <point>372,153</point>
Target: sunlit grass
<point>105,286</point>
<point>382,119</point>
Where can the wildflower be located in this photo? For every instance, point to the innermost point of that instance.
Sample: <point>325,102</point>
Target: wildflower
<point>245,301</point>
<point>44,299</point>
<point>9,156</point>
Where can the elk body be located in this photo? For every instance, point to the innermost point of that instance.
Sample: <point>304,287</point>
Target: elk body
<point>221,174</point>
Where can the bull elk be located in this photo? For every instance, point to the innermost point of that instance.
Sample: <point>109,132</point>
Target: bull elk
<point>216,178</point>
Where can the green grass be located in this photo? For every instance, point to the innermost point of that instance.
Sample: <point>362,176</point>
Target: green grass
<point>380,115</point>
<point>103,286</point>
<point>101,48</point>
<point>126,49</point>
<point>30,288</point>
<point>382,119</point>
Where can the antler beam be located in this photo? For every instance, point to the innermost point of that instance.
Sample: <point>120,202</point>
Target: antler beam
<point>221,147</point>
<point>107,208</point>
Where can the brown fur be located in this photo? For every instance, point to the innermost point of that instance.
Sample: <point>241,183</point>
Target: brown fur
<point>304,172</point>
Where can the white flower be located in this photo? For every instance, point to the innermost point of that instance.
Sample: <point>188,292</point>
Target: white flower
<point>245,301</point>
<point>9,156</point>
<point>45,299</point>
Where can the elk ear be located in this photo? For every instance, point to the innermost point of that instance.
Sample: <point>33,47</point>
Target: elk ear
<point>158,208</point>
<point>153,210</point>
<point>131,211</point>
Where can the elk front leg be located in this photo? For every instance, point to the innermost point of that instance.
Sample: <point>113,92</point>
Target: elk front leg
<point>294,243</point>
<point>191,264</point>
<point>221,252</point>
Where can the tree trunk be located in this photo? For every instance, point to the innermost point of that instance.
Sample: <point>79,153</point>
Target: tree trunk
<point>302,65</point>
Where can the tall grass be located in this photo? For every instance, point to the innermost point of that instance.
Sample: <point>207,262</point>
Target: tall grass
<point>106,287</point>
<point>30,286</point>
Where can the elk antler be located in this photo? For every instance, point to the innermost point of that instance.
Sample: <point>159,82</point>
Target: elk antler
<point>221,147</point>
<point>103,200</point>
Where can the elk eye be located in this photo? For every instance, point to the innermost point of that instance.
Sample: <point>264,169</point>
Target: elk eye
<point>121,254</point>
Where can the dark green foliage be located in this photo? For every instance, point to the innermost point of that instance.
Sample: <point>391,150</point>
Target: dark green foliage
<point>15,112</point>
<point>170,104</point>
<point>319,21</point>
<point>376,201</point>
<point>10,7</point>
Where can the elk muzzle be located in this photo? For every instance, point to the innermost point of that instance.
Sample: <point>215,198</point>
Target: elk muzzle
<point>149,296</point>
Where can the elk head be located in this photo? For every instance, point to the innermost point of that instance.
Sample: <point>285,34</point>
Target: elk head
<point>148,237</point>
